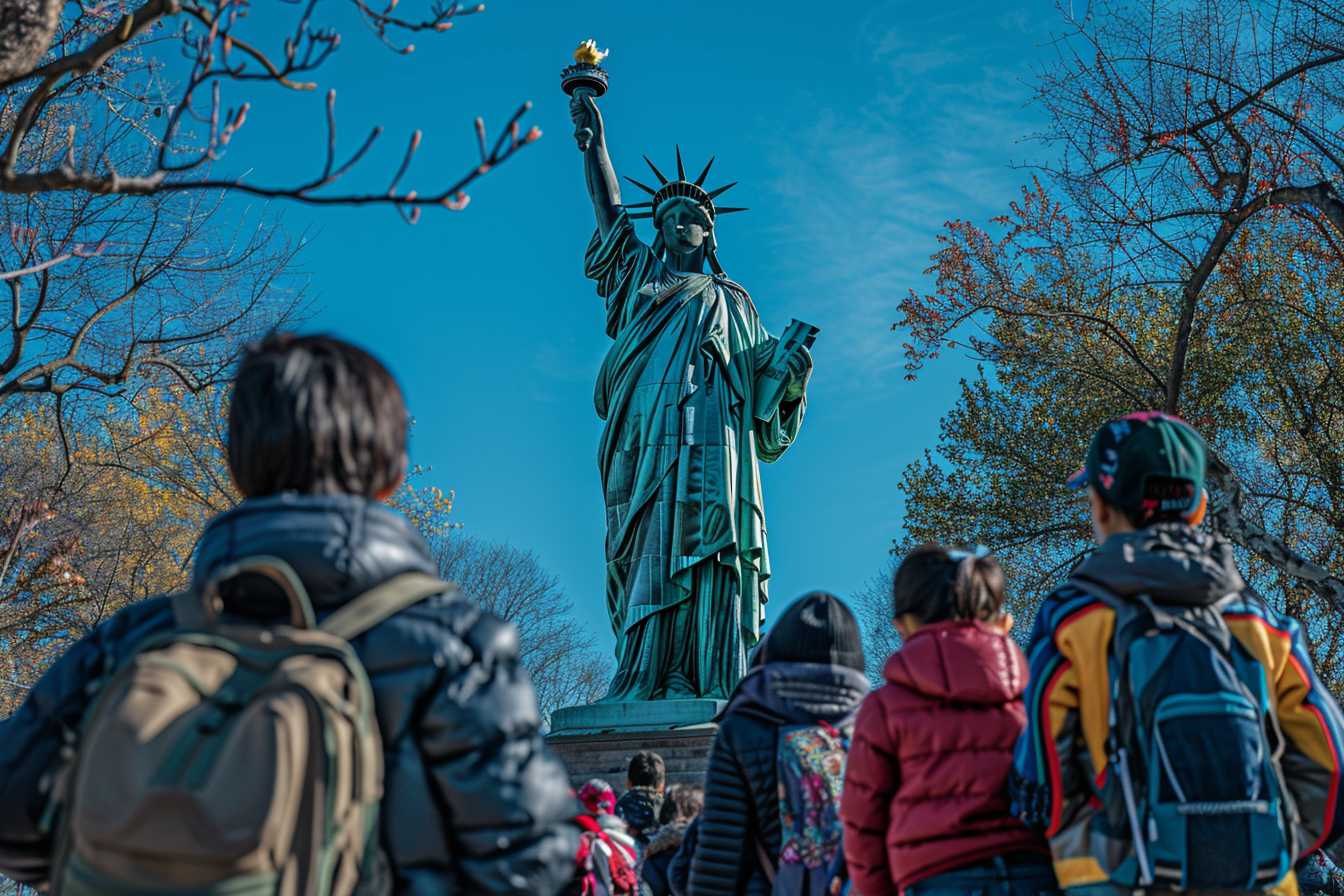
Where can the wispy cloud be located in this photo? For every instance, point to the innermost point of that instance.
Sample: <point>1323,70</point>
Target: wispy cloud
<point>870,180</point>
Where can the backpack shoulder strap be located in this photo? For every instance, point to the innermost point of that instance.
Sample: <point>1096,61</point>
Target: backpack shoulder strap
<point>383,601</point>
<point>763,857</point>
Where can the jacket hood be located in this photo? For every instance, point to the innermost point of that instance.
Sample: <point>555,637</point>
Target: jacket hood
<point>339,545</point>
<point>1170,562</point>
<point>795,693</point>
<point>969,662</point>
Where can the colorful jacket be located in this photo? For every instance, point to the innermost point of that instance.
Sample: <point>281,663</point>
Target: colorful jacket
<point>1061,758</point>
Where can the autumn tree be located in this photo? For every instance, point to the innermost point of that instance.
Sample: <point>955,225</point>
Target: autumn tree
<point>99,515</point>
<point>127,295</point>
<point>1182,252</point>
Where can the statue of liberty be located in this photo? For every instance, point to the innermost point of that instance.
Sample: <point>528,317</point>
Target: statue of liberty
<point>694,393</point>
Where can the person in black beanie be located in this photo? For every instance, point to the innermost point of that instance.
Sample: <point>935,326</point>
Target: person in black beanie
<point>809,671</point>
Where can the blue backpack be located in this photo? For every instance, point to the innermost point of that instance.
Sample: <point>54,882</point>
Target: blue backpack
<point>1194,796</point>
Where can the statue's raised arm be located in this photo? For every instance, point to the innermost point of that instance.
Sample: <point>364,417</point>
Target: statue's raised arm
<point>603,186</point>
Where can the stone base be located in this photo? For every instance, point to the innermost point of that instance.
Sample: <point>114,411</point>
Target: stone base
<point>635,715</point>
<point>607,756</point>
<point>597,741</point>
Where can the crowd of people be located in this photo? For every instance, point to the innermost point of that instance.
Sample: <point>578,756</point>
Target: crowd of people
<point>1164,731</point>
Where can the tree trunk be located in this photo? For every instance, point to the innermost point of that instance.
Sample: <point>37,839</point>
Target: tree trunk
<point>1229,521</point>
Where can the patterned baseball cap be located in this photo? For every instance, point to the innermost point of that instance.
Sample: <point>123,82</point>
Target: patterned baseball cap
<point>1149,463</point>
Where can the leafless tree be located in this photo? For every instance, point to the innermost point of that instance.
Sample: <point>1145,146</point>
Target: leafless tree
<point>512,584</point>
<point>872,607</point>
<point>118,60</point>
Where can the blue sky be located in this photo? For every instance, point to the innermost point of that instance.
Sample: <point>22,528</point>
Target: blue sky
<point>855,130</point>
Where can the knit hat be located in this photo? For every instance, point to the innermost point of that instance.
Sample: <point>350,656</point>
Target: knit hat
<point>1148,463</point>
<point>816,628</point>
<point>598,797</point>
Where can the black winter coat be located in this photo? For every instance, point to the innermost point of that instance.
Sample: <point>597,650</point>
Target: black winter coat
<point>658,857</point>
<point>741,787</point>
<point>474,802</point>
<point>638,807</point>
<point>679,869</point>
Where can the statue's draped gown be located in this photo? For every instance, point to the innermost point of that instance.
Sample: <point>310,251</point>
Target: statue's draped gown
<point>686,555</point>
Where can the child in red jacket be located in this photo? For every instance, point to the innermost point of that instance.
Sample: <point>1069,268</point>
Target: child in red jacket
<point>925,805</point>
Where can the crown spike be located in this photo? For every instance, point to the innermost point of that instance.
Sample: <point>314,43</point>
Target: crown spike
<point>729,211</point>
<point>700,181</point>
<point>640,215</point>
<point>661,179</point>
<point>681,169</point>
<point>647,189</point>
<point>723,189</point>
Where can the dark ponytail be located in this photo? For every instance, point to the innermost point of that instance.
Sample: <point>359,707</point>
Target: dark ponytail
<point>935,584</point>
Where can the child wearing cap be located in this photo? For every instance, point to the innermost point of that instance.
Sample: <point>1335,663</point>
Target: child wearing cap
<point>1177,736</point>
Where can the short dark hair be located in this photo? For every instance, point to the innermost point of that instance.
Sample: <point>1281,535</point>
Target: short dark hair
<point>647,769</point>
<point>682,803</point>
<point>934,585</point>
<point>315,415</point>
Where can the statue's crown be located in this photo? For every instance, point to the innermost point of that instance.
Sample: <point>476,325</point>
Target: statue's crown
<point>681,187</point>
<point>588,53</point>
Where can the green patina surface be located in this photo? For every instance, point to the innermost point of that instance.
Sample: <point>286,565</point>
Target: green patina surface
<point>695,394</point>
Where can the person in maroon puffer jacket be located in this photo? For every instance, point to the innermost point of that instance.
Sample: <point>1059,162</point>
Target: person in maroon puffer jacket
<point>925,805</point>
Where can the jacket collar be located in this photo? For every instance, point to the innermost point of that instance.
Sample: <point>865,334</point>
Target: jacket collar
<point>339,545</point>
<point>790,692</point>
<point>1171,562</point>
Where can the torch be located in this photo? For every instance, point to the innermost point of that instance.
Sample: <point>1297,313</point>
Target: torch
<point>585,77</point>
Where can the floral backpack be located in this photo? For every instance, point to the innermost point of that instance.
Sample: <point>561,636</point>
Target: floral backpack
<point>810,762</point>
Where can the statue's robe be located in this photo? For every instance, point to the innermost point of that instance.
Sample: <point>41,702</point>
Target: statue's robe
<point>687,563</point>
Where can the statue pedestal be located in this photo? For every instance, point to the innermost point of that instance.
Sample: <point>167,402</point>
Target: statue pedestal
<point>597,741</point>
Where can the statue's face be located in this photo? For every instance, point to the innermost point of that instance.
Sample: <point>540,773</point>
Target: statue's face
<point>684,228</point>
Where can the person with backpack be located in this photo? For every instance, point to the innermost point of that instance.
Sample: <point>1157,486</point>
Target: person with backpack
<point>1177,735</point>
<point>1318,875</point>
<point>925,805</point>
<point>608,859</point>
<point>772,793</point>
<point>317,714</point>
<point>642,801</point>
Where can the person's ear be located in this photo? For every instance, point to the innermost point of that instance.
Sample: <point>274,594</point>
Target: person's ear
<point>1005,623</point>
<point>1196,517</point>
<point>389,491</point>
<point>905,625</point>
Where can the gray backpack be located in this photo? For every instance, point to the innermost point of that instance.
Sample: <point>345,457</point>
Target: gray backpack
<point>231,758</point>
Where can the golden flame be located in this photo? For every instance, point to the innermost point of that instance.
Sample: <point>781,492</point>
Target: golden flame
<point>589,54</point>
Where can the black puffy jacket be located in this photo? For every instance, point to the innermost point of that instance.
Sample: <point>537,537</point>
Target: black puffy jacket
<point>742,785</point>
<point>474,802</point>
<point>679,869</point>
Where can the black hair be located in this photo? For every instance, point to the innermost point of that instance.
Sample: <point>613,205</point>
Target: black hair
<point>315,415</point>
<point>934,585</point>
<point>647,769</point>
<point>682,803</point>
